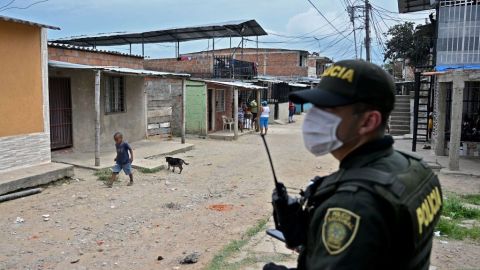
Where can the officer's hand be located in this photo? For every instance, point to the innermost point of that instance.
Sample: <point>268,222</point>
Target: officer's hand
<point>272,266</point>
<point>279,193</point>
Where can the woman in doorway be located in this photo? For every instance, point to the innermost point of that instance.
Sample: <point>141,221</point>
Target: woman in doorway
<point>241,115</point>
<point>265,113</point>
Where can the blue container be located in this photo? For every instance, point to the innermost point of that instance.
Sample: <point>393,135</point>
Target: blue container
<point>306,107</point>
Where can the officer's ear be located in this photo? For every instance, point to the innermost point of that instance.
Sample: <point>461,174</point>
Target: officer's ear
<point>371,121</point>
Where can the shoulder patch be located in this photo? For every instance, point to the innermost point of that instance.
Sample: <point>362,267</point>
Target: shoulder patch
<point>339,229</point>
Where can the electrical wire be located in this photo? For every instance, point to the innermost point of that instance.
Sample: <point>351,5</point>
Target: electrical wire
<point>25,7</point>
<point>325,18</point>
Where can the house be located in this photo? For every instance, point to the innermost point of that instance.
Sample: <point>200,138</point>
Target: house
<point>209,101</point>
<point>166,98</point>
<point>249,63</point>
<point>454,95</point>
<point>94,94</point>
<point>24,136</point>
<point>24,106</point>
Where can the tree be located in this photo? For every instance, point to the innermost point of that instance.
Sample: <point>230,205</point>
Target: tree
<point>407,42</point>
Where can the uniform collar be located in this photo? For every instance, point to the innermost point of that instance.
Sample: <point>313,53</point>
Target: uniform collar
<point>368,153</point>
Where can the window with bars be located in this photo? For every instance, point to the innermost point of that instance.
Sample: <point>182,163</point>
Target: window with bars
<point>115,94</point>
<point>219,100</point>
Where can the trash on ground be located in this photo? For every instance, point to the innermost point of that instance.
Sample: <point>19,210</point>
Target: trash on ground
<point>19,220</point>
<point>437,233</point>
<point>191,258</point>
<point>443,242</point>
<point>159,258</point>
<point>220,207</point>
<point>74,261</point>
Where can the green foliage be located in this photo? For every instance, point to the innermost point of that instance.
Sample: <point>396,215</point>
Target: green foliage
<point>454,213</point>
<point>453,207</point>
<point>407,42</point>
<point>453,230</point>
<point>219,261</point>
<point>103,175</point>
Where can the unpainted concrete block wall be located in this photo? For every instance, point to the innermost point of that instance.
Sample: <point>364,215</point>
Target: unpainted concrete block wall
<point>132,122</point>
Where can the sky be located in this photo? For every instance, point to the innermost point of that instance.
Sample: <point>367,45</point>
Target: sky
<point>292,24</point>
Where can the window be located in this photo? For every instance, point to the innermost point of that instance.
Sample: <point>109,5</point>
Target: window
<point>115,95</point>
<point>219,100</point>
<point>302,60</point>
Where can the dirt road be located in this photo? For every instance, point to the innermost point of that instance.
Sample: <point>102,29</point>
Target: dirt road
<point>163,214</point>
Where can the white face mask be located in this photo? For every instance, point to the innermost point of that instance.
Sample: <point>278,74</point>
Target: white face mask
<point>320,132</point>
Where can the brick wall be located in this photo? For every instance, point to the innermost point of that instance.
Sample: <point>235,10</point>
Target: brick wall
<point>199,66</point>
<point>270,62</point>
<point>24,150</point>
<point>95,58</point>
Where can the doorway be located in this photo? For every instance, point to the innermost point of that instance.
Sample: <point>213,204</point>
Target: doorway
<point>60,113</point>
<point>210,109</point>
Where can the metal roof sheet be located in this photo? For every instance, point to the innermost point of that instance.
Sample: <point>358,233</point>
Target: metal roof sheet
<point>59,64</point>
<point>405,6</point>
<point>235,84</point>
<point>10,19</point>
<point>228,29</point>
<point>298,85</point>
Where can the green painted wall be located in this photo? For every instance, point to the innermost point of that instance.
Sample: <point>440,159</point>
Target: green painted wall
<point>196,108</point>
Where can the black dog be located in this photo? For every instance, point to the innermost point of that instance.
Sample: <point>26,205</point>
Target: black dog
<point>175,162</point>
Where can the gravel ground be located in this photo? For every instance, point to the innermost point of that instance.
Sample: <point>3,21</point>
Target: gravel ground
<point>163,214</point>
<point>167,216</point>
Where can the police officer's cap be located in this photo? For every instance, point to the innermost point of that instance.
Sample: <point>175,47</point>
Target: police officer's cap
<point>351,81</point>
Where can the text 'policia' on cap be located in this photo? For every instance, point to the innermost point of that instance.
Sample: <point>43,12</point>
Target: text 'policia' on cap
<point>351,81</point>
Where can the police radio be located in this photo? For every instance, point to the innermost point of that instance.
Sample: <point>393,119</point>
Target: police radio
<point>288,214</point>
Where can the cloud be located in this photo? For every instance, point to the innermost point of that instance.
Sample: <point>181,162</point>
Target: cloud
<point>304,22</point>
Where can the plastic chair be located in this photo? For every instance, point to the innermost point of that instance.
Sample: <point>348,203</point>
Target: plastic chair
<point>227,122</point>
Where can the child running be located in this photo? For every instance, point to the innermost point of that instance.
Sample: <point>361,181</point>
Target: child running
<point>123,161</point>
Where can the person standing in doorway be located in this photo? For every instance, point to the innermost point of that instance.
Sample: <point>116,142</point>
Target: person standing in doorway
<point>123,161</point>
<point>265,113</point>
<point>291,112</point>
<point>254,109</point>
<point>241,115</point>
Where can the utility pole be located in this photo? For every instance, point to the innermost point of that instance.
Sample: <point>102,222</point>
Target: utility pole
<point>351,12</point>
<point>367,29</point>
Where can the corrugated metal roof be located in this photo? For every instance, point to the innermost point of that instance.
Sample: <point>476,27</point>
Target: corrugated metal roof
<point>405,6</point>
<point>229,29</point>
<point>59,64</point>
<point>10,19</point>
<point>234,84</point>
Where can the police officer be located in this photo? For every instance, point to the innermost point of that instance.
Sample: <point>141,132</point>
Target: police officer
<point>379,209</point>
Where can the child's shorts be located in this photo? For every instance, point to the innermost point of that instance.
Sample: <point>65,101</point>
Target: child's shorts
<point>263,122</point>
<point>127,168</point>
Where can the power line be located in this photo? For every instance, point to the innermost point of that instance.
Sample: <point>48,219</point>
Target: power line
<point>325,18</point>
<point>8,4</point>
<point>26,7</point>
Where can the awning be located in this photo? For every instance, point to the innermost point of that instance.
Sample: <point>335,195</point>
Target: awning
<point>243,28</point>
<point>10,19</point>
<point>406,6</point>
<point>128,71</point>
<point>235,84</point>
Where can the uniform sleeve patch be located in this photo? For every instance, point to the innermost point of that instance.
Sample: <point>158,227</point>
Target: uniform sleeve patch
<point>339,229</point>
